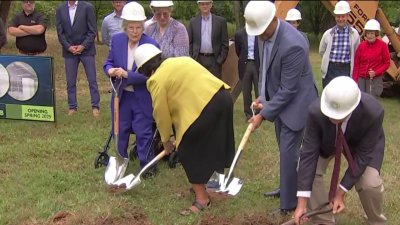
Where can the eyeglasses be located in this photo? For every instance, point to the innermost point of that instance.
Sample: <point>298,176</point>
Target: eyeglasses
<point>133,29</point>
<point>119,2</point>
<point>162,14</point>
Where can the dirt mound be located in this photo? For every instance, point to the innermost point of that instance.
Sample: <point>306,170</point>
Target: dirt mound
<point>253,219</point>
<point>134,216</point>
<point>213,220</point>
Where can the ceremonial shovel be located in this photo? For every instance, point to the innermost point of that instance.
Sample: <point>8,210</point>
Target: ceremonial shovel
<point>233,187</point>
<point>116,165</point>
<point>130,181</point>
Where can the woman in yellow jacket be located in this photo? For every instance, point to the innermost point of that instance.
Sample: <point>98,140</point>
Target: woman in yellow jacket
<point>199,106</point>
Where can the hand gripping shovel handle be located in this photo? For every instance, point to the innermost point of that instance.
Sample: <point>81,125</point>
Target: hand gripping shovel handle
<point>157,158</point>
<point>240,148</point>
<point>309,214</point>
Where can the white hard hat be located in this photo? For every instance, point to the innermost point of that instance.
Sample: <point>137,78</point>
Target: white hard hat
<point>161,3</point>
<point>258,15</point>
<point>340,97</point>
<point>342,7</point>
<point>133,11</point>
<point>144,53</point>
<point>293,15</point>
<point>372,24</point>
<point>204,1</point>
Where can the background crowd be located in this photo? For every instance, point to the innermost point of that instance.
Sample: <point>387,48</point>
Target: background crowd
<point>273,62</point>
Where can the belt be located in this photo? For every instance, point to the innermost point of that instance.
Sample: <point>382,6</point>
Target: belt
<point>30,53</point>
<point>206,54</point>
<point>339,63</point>
<point>250,60</point>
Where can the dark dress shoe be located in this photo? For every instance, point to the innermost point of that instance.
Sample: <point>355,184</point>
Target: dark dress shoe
<point>150,173</point>
<point>213,184</point>
<point>273,194</point>
<point>285,212</point>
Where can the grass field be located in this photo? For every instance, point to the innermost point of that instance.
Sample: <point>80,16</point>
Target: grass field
<point>47,174</point>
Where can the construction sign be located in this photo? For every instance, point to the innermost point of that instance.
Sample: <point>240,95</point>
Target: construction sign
<point>27,88</point>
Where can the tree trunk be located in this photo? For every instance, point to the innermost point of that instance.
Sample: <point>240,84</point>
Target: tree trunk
<point>236,11</point>
<point>4,10</point>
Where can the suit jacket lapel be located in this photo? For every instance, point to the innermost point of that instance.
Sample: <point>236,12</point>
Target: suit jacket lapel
<point>246,45</point>
<point>355,118</point>
<point>198,29</point>
<point>77,13</point>
<point>255,47</point>
<point>124,53</point>
<point>276,44</point>
<point>213,30</point>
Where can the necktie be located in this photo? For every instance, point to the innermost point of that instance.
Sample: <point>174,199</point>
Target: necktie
<point>341,145</point>
<point>263,71</point>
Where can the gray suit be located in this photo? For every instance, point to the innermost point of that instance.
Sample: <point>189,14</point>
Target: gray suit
<point>219,39</point>
<point>289,89</point>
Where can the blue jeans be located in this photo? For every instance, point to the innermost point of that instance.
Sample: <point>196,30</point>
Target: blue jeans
<point>335,70</point>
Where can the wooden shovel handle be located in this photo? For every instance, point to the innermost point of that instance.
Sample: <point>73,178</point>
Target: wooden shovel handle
<point>116,115</point>
<point>245,136</point>
<point>240,148</point>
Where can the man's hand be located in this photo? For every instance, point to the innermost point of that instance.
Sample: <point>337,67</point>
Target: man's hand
<point>72,49</point>
<point>256,105</point>
<point>79,49</point>
<point>300,210</point>
<point>119,72</point>
<point>168,147</point>
<point>338,201</point>
<point>111,72</point>
<point>371,73</point>
<point>256,121</point>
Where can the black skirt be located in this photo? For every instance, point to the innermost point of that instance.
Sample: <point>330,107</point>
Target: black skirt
<point>208,145</point>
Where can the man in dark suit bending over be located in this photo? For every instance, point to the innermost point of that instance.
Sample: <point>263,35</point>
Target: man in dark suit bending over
<point>349,122</point>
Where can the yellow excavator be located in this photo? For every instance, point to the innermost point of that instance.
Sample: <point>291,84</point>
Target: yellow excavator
<point>361,12</point>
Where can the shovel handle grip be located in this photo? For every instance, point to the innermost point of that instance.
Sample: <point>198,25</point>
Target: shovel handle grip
<point>116,115</point>
<point>246,136</point>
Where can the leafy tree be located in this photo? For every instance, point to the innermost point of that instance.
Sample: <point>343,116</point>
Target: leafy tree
<point>391,10</point>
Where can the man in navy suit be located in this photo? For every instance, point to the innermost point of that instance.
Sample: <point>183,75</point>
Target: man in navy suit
<point>76,30</point>
<point>208,39</point>
<point>246,47</point>
<point>286,86</point>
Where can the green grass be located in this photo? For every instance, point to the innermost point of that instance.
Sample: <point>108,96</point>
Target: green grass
<point>46,168</point>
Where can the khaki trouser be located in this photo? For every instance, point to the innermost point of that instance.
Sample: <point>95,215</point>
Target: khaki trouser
<point>369,188</point>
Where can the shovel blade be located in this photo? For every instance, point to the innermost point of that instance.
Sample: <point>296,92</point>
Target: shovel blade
<point>125,180</point>
<point>110,174</point>
<point>234,186</point>
<point>133,183</point>
<point>115,169</point>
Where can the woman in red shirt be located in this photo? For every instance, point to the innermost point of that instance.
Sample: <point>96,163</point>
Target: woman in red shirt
<point>372,59</point>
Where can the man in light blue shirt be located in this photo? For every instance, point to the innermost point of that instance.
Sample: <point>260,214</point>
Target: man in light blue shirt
<point>208,38</point>
<point>112,23</point>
